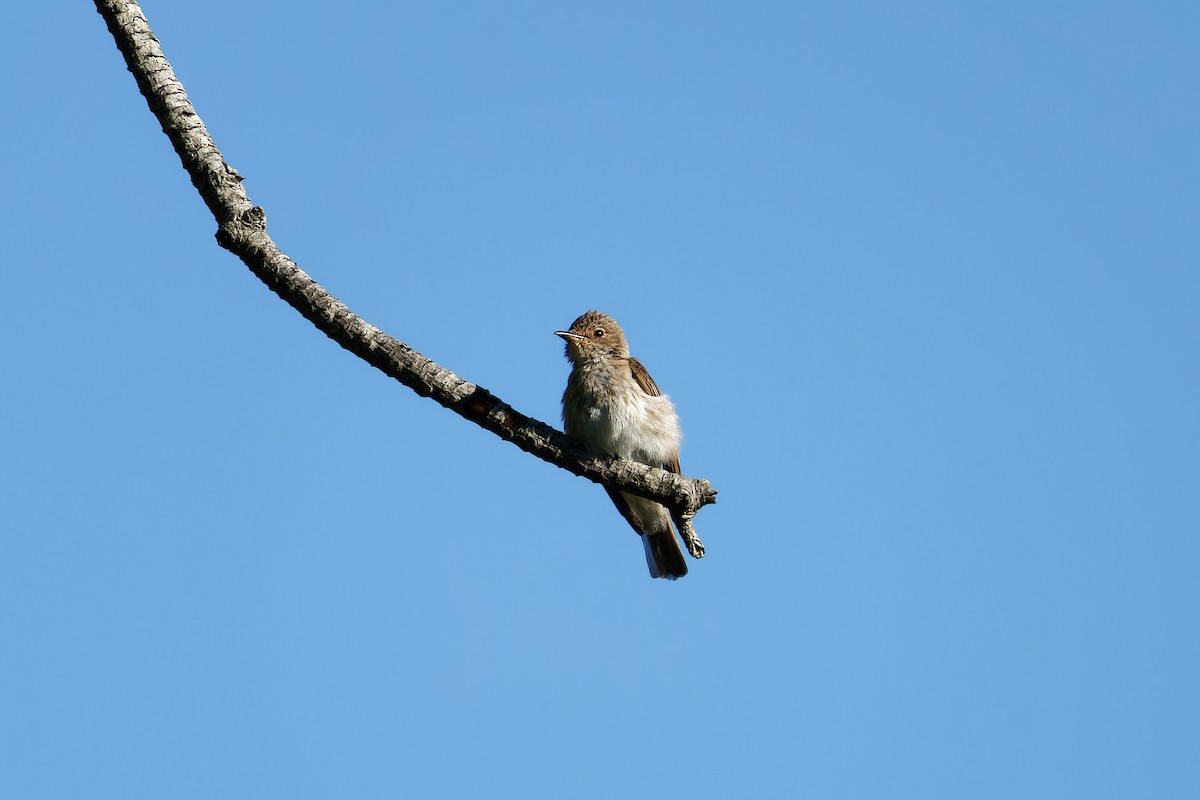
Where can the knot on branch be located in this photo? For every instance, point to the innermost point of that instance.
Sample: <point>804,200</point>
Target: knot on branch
<point>241,226</point>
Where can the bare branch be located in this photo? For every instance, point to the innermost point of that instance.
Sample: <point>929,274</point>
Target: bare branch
<point>242,230</point>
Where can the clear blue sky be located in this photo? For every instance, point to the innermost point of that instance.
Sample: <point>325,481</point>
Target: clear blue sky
<point>923,280</point>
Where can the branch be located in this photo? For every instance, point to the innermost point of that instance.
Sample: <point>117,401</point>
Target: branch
<point>242,230</point>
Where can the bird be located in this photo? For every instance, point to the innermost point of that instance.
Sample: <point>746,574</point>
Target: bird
<point>613,406</point>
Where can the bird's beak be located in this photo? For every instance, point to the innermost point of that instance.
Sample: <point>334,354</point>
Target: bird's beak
<point>568,336</point>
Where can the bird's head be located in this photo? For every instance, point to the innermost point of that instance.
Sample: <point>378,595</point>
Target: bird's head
<point>594,336</point>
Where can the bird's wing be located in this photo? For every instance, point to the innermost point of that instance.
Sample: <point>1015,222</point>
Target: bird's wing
<point>643,379</point>
<point>623,506</point>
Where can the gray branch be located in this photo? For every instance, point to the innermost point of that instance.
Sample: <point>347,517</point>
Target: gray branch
<point>242,230</point>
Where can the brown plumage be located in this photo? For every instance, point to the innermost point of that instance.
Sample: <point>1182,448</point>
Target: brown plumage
<point>612,405</point>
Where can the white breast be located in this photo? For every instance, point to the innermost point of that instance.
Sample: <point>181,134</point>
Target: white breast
<point>620,418</point>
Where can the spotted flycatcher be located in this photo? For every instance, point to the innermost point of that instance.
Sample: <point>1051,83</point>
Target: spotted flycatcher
<point>613,406</point>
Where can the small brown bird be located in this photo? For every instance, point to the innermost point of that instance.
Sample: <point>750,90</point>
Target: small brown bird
<point>613,406</point>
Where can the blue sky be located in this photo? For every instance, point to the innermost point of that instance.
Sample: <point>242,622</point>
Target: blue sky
<point>922,280</point>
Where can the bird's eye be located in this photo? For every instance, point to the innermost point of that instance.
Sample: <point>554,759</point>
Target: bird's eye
<point>599,332</point>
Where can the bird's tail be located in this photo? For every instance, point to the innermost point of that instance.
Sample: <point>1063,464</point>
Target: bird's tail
<point>663,555</point>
